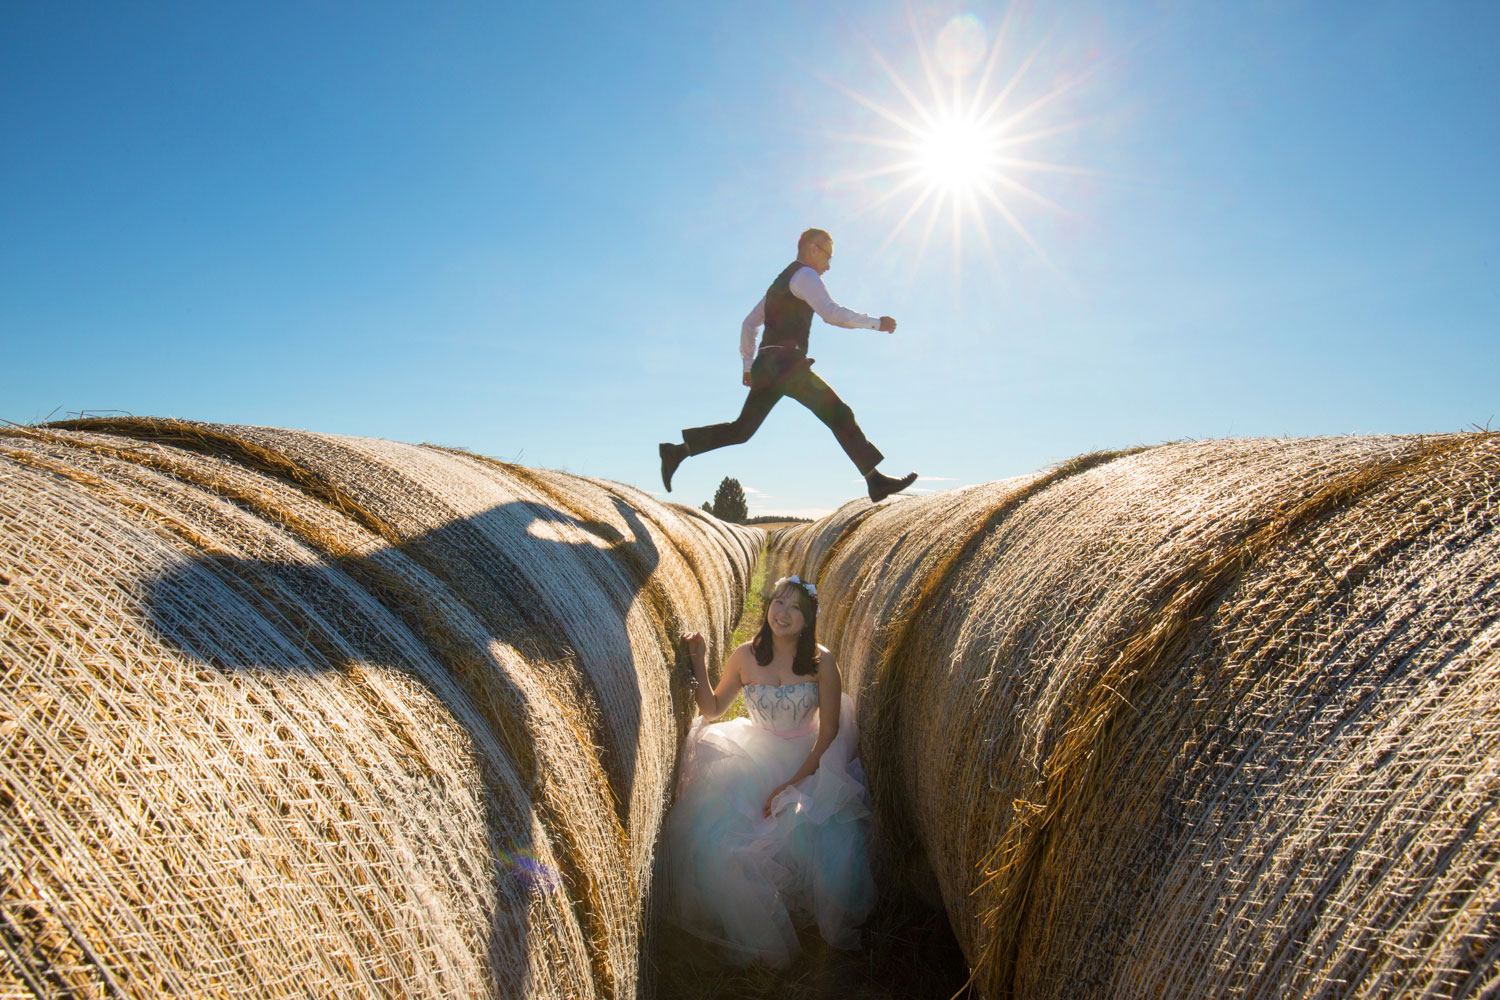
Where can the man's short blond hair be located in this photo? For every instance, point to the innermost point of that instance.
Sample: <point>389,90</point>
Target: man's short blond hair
<point>812,235</point>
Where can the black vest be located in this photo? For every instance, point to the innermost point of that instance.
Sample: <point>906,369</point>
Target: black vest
<point>788,318</point>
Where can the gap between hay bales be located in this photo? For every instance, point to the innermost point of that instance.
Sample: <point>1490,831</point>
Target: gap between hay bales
<point>908,950</point>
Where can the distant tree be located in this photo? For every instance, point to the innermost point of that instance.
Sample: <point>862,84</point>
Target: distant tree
<point>708,507</point>
<point>729,502</point>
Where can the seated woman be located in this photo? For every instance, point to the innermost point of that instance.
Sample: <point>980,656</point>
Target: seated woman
<point>769,828</point>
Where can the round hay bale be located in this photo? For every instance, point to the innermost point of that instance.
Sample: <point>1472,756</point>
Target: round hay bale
<point>1217,719</point>
<point>289,714</point>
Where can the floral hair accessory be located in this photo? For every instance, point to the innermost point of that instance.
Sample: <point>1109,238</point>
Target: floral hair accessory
<point>812,591</point>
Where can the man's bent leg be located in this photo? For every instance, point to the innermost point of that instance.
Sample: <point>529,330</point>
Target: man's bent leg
<point>818,396</point>
<point>737,431</point>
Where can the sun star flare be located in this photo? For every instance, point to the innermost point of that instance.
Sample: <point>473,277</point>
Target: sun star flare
<point>959,150</point>
<point>958,154</point>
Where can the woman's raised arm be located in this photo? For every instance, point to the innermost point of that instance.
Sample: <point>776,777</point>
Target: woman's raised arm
<point>712,701</point>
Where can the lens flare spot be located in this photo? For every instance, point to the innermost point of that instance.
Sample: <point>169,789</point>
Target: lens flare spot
<point>524,866</point>
<point>961,45</point>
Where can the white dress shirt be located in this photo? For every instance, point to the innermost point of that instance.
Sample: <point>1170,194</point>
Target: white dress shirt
<point>808,287</point>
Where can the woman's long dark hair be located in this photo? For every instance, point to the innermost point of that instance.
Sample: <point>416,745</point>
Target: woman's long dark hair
<point>805,663</point>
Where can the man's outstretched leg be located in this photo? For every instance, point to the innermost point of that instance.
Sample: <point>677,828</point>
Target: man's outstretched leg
<point>697,440</point>
<point>818,396</point>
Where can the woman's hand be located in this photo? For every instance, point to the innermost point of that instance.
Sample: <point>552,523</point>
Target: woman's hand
<point>696,645</point>
<point>766,810</point>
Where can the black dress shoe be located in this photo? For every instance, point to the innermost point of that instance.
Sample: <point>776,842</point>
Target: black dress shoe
<point>671,457</point>
<point>883,486</point>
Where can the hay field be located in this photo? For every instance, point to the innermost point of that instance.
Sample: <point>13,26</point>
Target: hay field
<point>1213,719</point>
<point>288,714</point>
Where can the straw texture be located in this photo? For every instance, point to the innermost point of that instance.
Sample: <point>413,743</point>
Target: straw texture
<point>1215,719</point>
<point>287,714</point>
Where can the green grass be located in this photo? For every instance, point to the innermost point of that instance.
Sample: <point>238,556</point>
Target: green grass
<point>749,624</point>
<point>754,604</point>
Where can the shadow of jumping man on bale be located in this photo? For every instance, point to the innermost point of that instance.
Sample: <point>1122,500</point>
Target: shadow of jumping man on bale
<point>513,619</point>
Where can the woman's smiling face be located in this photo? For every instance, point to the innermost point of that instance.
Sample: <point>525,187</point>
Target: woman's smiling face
<point>785,611</point>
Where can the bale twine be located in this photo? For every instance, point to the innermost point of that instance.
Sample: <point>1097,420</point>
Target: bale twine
<point>1217,719</point>
<point>288,714</point>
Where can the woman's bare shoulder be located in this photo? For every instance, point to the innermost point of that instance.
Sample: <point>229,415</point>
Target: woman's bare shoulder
<point>826,660</point>
<point>741,656</point>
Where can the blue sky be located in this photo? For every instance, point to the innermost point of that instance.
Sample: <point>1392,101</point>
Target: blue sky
<point>533,230</point>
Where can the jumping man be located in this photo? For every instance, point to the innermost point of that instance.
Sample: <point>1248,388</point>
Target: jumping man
<point>782,368</point>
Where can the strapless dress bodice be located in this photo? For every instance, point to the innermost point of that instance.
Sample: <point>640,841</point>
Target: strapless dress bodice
<point>782,707</point>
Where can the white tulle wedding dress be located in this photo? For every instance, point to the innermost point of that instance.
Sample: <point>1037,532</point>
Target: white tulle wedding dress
<point>744,881</point>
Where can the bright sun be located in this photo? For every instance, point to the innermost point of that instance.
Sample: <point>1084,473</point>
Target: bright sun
<point>957,150</point>
<point>958,155</point>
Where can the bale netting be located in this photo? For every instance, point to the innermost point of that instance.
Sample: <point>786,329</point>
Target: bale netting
<point>1215,719</point>
<point>289,714</point>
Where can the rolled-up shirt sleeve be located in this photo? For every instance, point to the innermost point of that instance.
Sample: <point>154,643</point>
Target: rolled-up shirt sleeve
<point>749,330</point>
<point>808,287</point>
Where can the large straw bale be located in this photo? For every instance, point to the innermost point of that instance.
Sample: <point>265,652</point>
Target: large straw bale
<point>288,714</point>
<point>1215,719</point>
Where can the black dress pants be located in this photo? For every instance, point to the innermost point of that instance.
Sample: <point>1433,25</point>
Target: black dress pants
<point>781,372</point>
